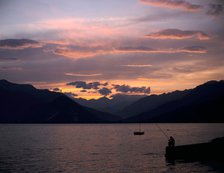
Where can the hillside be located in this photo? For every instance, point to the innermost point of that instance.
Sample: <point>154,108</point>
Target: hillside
<point>202,104</point>
<point>22,103</point>
<point>150,102</point>
<point>113,105</point>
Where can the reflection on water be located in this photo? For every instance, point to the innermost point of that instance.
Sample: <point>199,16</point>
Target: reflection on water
<point>98,148</point>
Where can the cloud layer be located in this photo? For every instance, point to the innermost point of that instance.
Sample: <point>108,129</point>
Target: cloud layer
<point>178,34</point>
<point>104,91</point>
<point>191,49</point>
<point>213,9</point>
<point>107,89</point>
<point>179,4</point>
<point>82,53</point>
<point>19,44</point>
<point>83,75</point>
<point>85,85</point>
<point>136,44</point>
<point>129,89</point>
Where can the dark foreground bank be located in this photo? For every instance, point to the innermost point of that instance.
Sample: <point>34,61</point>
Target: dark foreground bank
<point>210,151</point>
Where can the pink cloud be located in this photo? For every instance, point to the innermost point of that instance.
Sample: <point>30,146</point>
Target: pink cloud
<point>192,49</point>
<point>76,54</point>
<point>72,29</point>
<point>86,52</point>
<point>178,34</point>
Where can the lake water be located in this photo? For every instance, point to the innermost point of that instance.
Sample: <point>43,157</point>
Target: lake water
<point>99,148</point>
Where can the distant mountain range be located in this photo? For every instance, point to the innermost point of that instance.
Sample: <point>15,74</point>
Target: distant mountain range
<point>113,105</point>
<point>205,103</point>
<point>150,103</point>
<point>22,103</point>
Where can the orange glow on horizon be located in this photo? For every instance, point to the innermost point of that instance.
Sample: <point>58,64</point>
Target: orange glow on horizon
<point>157,86</point>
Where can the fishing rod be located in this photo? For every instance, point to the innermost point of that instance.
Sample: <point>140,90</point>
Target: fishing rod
<point>162,131</point>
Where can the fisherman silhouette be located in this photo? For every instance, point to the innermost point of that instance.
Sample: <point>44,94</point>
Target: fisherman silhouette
<point>171,142</point>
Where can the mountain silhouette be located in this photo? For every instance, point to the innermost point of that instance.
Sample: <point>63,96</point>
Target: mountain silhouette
<point>202,104</point>
<point>22,103</point>
<point>113,105</point>
<point>150,102</point>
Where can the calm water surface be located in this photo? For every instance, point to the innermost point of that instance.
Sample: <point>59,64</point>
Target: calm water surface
<point>99,148</point>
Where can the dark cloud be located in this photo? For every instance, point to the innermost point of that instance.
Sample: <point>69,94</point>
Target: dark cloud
<point>94,85</point>
<point>79,84</point>
<point>70,94</point>
<point>105,84</point>
<point>84,85</point>
<point>104,91</point>
<point>129,89</point>
<point>56,90</point>
<point>178,34</point>
<point>19,44</point>
<point>176,4</point>
<point>215,9</point>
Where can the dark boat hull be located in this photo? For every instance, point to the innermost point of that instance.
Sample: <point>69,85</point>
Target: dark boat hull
<point>139,133</point>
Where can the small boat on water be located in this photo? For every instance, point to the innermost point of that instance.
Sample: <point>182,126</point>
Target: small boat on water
<point>139,132</point>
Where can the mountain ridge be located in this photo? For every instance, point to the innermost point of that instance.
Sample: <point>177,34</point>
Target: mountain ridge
<point>201,104</point>
<point>23,103</point>
<point>113,105</point>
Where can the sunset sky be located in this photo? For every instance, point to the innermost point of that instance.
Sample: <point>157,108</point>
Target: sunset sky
<point>95,48</point>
